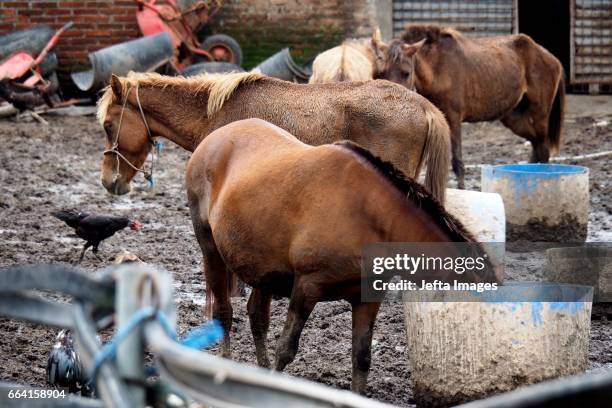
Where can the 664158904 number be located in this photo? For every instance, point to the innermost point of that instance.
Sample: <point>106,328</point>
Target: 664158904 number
<point>35,393</point>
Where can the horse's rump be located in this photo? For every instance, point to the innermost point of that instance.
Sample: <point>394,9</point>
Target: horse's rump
<point>350,61</point>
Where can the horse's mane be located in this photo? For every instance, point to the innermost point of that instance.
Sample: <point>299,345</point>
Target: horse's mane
<point>415,32</point>
<point>363,45</point>
<point>394,52</point>
<point>218,86</point>
<point>415,193</point>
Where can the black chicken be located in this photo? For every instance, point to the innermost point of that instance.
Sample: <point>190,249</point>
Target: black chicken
<point>64,368</point>
<point>95,228</point>
<point>24,97</point>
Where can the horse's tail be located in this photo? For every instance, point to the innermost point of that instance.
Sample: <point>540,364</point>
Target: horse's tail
<point>437,151</point>
<point>340,75</point>
<point>234,289</point>
<point>209,301</point>
<point>555,119</point>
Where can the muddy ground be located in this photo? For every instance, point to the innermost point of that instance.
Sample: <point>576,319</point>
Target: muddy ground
<point>47,168</point>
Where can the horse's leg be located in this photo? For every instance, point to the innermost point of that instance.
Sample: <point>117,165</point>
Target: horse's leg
<point>258,308</point>
<point>454,123</point>
<point>364,316</point>
<point>217,284</point>
<point>530,121</point>
<point>540,148</point>
<point>540,152</point>
<point>300,307</point>
<point>216,275</point>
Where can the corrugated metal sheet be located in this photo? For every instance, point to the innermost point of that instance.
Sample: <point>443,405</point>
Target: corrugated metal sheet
<point>591,48</point>
<point>473,17</point>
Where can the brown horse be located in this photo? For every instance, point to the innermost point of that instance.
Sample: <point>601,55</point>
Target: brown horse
<point>291,219</point>
<point>353,60</point>
<point>396,124</point>
<point>510,78</point>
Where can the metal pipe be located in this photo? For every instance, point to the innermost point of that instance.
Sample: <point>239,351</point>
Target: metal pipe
<point>141,55</point>
<point>589,390</point>
<point>239,384</point>
<point>36,310</point>
<point>130,352</point>
<point>59,278</point>
<point>108,384</point>
<point>225,383</point>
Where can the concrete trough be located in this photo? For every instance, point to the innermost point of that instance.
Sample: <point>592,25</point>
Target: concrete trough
<point>481,213</point>
<point>543,202</point>
<point>523,333</point>
<point>590,265</point>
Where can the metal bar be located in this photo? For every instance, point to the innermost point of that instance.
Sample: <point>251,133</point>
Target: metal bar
<point>591,42</point>
<point>108,384</point>
<point>130,353</point>
<point>237,384</point>
<point>473,6</point>
<point>590,390</point>
<point>36,310</point>
<point>225,383</point>
<point>59,278</point>
<point>515,17</point>
<point>475,19</point>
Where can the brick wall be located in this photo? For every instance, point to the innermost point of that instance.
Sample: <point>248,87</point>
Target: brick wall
<point>262,27</point>
<point>97,24</point>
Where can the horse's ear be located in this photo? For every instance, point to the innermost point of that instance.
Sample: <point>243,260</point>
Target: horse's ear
<point>115,84</point>
<point>411,49</point>
<point>378,45</point>
<point>376,36</point>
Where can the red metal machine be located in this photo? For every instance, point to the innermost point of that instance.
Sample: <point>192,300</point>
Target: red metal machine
<point>22,82</point>
<point>182,26</point>
<point>21,63</point>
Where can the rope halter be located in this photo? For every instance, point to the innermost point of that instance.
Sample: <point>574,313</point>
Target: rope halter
<point>148,174</point>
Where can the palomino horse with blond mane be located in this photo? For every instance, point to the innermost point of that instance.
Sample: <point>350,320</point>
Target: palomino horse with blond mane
<point>353,60</point>
<point>292,219</point>
<point>510,78</point>
<point>394,123</point>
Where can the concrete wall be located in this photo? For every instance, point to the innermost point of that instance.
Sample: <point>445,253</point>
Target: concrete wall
<point>263,27</point>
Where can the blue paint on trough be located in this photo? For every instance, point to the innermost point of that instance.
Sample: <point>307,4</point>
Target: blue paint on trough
<point>518,292</point>
<point>526,179</point>
<point>536,313</point>
<point>535,297</point>
<point>540,169</point>
<point>543,202</point>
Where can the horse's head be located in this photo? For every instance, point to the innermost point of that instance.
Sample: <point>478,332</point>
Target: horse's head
<point>128,139</point>
<point>380,50</point>
<point>395,62</point>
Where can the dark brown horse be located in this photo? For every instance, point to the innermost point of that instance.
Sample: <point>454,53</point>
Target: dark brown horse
<point>291,219</point>
<point>396,124</point>
<point>510,78</point>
